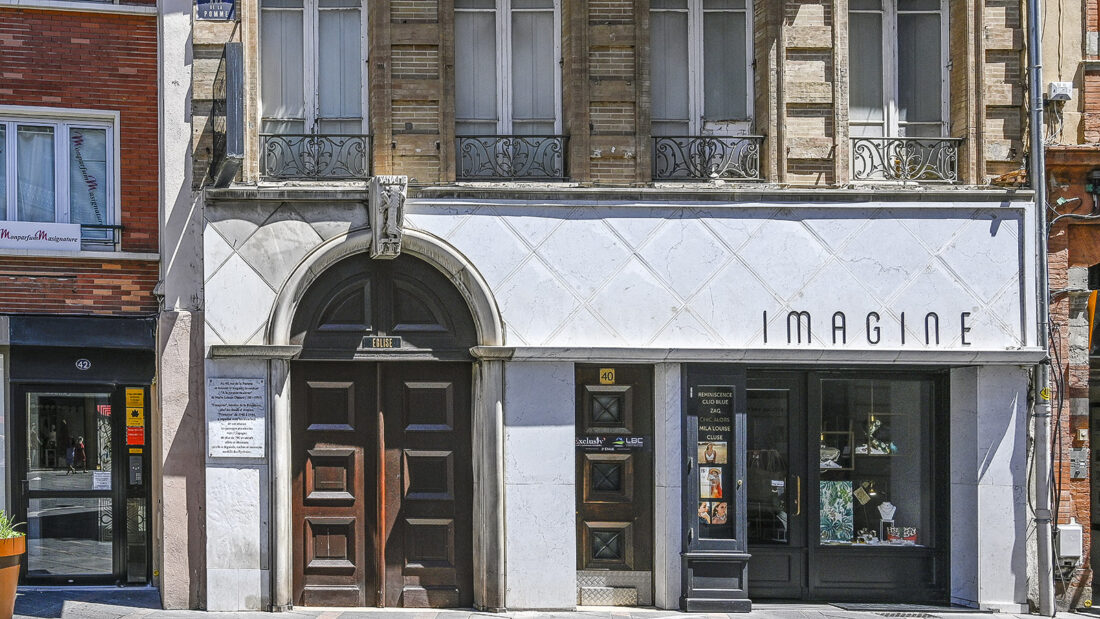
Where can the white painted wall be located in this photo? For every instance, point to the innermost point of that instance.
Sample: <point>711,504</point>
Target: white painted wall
<point>540,486</point>
<point>238,505</point>
<point>988,487</point>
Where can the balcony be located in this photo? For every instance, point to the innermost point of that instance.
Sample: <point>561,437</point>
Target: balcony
<point>511,157</point>
<point>314,157</point>
<point>96,237</point>
<point>925,160</point>
<point>711,157</point>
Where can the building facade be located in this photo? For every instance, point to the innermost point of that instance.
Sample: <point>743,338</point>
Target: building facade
<point>539,304</point>
<point>79,255</point>
<point>1072,161</point>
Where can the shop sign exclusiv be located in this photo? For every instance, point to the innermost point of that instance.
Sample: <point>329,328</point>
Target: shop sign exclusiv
<point>39,235</point>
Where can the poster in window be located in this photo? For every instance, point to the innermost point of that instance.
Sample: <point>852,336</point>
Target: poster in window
<point>710,482</point>
<point>713,452</point>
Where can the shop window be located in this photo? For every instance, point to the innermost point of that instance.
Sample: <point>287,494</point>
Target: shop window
<point>876,458</point>
<point>60,170</point>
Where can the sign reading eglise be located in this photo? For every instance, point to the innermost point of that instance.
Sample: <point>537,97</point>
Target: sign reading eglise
<point>800,325</point>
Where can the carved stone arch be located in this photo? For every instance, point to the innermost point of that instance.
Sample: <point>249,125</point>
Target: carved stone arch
<point>455,267</point>
<point>405,298</point>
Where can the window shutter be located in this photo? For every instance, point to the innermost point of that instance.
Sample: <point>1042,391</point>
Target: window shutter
<point>339,75</point>
<point>725,66</point>
<point>532,70</point>
<point>668,72</point>
<point>475,73</point>
<point>281,72</point>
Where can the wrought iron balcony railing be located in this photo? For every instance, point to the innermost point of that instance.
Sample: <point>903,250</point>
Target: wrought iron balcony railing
<point>928,160</point>
<point>511,157</point>
<point>314,156</point>
<point>707,157</point>
<point>96,237</point>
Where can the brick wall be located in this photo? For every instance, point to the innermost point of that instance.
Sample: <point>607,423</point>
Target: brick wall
<point>77,286</point>
<point>94,61</point>
<point>1073,244</point>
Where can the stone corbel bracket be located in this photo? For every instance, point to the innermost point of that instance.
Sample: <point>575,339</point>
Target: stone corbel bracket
<point>387,215</point>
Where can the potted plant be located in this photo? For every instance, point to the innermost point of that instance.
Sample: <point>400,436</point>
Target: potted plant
<point>13,544</point>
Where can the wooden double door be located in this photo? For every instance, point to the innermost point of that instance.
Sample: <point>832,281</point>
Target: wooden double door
<point>382,484</point>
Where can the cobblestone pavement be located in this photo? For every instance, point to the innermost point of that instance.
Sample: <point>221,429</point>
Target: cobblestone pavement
<point>109,603</point>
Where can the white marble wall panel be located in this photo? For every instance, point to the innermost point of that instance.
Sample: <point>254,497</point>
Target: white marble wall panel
<point>988,487</point>
<point>667,499</point>
<point>580,275</point>
<point>539,486</point>
<point>238,508</point>
<point>592,275</point>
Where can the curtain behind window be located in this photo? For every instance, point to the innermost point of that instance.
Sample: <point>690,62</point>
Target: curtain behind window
<point>724,65</point>
<point>35,193</point>
<point>920,76</point>
<point>339,75</point>
<point>475,69</point>
<point>865,62</point>
<point>282,88</point>
<point>88,176</point>
<point>533,68</point>
<point>669,68</point>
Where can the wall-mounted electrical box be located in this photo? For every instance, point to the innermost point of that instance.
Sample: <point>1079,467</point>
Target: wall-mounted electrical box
<point>1060,91</point>
<point>1078,462</point>
<point>1070,543</point>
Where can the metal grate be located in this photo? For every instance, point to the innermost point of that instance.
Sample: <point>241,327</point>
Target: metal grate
<point>314,156</point>
<point>707,157</point>
<point>930,160</point>
<point>511,157</point>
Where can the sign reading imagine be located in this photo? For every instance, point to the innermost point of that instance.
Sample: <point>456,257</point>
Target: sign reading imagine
<point>39,235</point>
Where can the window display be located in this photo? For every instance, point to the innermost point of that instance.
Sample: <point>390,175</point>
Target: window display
<point>715,418</point>
<point>875,462</point>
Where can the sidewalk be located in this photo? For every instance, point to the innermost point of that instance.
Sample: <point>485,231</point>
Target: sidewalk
<point>145,604</point>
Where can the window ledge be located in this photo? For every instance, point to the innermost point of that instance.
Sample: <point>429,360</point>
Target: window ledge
<point>80,255</point>
<point>81,6</point>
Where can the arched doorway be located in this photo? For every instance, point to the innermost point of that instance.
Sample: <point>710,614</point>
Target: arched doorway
<point>381,474</point>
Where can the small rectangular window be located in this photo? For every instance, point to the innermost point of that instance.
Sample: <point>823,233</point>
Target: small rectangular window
<point>60,171</point>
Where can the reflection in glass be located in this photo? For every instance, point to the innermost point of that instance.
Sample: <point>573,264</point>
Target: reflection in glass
<point>69,536</point>
<point>767,466</point>
<point>68,441</point>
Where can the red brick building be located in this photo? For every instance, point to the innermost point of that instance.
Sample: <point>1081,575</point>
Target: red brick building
<point>79,266</point>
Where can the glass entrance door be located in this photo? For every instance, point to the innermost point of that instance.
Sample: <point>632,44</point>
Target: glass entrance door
<point>83,502</point>
<point>775,465</point>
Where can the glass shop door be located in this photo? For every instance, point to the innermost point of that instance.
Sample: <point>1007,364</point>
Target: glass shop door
<point>79,483</point>
<point>776,476</point>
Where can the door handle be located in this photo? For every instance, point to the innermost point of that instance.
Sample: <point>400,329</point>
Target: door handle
<point>798,495</point>
<point>691,534</point>
<point>691,463</point>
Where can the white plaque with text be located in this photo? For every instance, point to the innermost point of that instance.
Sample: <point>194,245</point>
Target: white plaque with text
<point>235,417</point>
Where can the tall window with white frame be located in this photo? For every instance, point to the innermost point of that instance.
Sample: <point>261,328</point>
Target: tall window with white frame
<point>898,90</point>
<point>312,73</point>
<point>701,89</point>
<point>508,89</point>
<point>60,171</point>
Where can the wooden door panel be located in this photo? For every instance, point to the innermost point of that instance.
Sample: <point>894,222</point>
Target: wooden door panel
<point>429,487</point>
<point>333,483</point>
<point>615,488</point>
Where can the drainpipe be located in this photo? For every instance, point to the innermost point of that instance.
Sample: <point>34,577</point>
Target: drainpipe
<point>1043,464</point>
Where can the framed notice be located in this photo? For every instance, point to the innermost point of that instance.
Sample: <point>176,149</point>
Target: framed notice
<point>236,417</point>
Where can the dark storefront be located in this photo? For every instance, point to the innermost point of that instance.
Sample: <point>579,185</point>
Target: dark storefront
<point>79,455</point>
